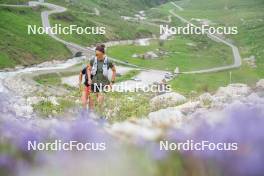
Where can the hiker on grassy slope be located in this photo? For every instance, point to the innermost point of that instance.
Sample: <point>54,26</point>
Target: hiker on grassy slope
<point>97,71</point>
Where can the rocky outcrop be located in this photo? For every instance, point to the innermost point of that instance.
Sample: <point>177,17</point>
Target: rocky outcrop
<point>166,117</point>
<point>166,100</point>
<point>206,99</point>
<point>251,61</point>
<point>210,108</point>
<point>150,55</point>
<point>134,130</point>
<point>233,91</point>
<point>260,84</point>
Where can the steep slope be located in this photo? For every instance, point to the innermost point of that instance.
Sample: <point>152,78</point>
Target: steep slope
<point>19,48</point>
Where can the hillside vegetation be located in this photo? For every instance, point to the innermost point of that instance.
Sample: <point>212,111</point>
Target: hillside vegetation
<point>248,16</point>
<point>19,48</point>
<point>81,13</point>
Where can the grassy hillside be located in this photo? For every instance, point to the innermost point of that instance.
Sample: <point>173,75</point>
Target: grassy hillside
<point>13,1</point>
<point>19,48</point>
<point>188,52</point>
<point>181,52</point>
<point>81,13</point>
<point>248,16</point>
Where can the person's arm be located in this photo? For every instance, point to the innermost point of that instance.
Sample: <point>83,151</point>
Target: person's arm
<point>89,70</point>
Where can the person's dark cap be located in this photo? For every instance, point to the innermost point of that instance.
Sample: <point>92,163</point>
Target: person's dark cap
<point>100,48</point>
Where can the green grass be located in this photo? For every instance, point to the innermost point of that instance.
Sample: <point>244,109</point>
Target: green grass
<point>122,106</point>
<point>17,47</point>
<point>54,79</point>
<point>48,79</point>
<point>13,1</point>
<point>205,54</point>
<point>46,108</point>
<point>210,82</point>
<point>116,28</point>
<point>249,40</point>
<point>5,61</point>
<point>129,75</point>
<point>246,15</point>
<point>118,106</point>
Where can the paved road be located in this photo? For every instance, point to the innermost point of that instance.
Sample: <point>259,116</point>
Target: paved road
<point>59,9</point>
<point>236,55</point>
<point>46,24</point>
<point>177,6</point>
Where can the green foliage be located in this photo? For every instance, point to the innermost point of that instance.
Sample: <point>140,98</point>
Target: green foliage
<point>17,47</point>
<point>128,75</point>
<point>13,1</point>
<point>179,54</point>
<point>122,106</point>
<point>46,108</point>
<point>48,79</point>
<point>209,82</point>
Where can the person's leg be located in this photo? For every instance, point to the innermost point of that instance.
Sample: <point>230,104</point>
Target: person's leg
<point>91,103</point>
<point>85,95</point>
<point>100,100</point>
<point>91,99</point>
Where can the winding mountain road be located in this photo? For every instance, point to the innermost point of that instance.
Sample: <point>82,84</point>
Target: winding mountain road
<point>236,55</point>
<point>18,103</point>
<point>46,24</point>
<point>59,9</point>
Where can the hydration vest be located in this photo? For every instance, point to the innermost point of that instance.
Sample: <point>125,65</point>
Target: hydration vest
<point>105,66</point>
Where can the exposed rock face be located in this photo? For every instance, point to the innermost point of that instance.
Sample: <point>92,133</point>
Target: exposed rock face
<point>166,117</point>
<point>206,99</point>
<point>150,55</point>
<point>189,107</point>
<point>131,129</point>
<point>34,100</point>
<point>251,61</point>
<point>15,105</point>
<point>167,100</point>
<point>233,91</point>
<point>260,84</point>
<point>254,98</point>
<point>147,55</point>
<point>135,56</point>
<point>20,85</point>
<point>210,108</point>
